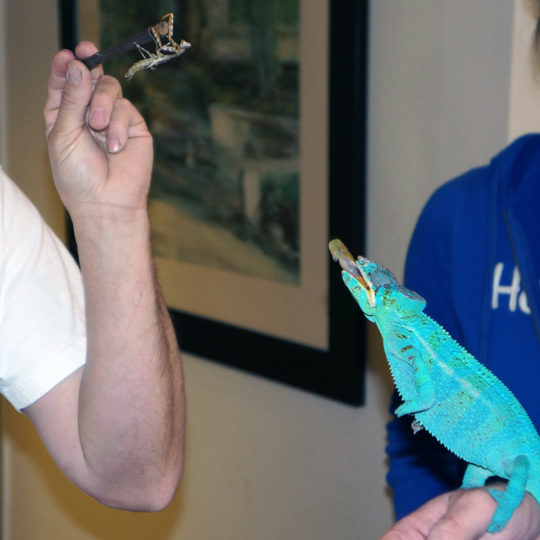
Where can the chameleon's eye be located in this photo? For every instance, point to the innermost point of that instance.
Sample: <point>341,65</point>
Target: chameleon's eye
<point>383,276</point>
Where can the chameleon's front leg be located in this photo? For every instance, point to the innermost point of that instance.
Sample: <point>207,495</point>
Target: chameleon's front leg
<point>422,402</point>
<point>420,395</point>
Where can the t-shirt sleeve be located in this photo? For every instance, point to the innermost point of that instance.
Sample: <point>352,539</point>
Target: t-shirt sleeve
<point>42,327</point>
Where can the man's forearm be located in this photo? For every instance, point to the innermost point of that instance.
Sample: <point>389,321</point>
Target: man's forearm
<point>131,408</point>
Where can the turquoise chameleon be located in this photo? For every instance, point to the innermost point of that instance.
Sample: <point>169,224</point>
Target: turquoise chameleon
<point>449,393</point>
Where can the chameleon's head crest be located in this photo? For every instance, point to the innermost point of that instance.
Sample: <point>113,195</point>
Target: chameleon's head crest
<point>376,290</point>
<point>374,287</point>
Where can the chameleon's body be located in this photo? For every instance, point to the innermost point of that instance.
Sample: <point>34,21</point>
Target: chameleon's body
<point>452,395</point>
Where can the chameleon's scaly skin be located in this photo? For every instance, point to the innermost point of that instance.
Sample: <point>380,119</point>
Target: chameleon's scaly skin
<point>452,395</point>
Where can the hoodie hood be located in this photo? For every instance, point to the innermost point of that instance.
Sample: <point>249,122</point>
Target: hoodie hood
<point>518,169</point>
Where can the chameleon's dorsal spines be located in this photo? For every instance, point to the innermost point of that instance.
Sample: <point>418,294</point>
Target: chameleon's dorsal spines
<point>451,395</point>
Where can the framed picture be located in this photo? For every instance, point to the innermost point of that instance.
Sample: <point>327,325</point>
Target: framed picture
<point>259,141</point>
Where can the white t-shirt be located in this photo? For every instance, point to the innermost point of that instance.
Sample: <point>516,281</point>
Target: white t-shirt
<point>42,327</point>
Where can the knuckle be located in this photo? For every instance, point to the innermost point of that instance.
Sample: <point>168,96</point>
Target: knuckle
<point>110,80</point>
<point>124,102</point>
<point>106,86</point>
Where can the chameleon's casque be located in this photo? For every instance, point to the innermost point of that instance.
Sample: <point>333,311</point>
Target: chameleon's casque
<point>449,393</point>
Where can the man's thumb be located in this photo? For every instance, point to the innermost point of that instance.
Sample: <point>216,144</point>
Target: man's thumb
<point>75,97</point>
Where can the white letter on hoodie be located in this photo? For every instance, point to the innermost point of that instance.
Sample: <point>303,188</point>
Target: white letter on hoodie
<point>513,290</point>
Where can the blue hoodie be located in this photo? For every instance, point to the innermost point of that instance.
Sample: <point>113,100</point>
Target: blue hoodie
<point>475,257</point>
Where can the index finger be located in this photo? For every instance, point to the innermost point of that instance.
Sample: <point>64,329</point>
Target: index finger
<point>468,516</point>
<point>418,524</point>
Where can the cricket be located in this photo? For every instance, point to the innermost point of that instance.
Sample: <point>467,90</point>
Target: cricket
<point>160,34</point>
<point>165,50</point>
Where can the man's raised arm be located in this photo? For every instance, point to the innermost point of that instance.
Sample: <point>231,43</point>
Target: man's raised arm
<point>116,426</point>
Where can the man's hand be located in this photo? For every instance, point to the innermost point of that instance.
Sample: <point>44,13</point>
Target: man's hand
<point>465,514</point>
<point>99,146</point>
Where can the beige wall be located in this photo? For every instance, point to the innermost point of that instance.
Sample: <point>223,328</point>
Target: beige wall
<point>3,102</point>
<point>265,461</point>
<point>524,106</point>
<point>30,36</point>
<point>439,84</point>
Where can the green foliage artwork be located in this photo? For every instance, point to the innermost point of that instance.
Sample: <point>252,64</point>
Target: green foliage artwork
<point>225,120</point>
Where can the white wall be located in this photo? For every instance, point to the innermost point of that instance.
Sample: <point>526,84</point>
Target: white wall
<point>524,107</point>
<point>439,89</point>
<point>3,155</point>
<point>3,102</point>
<point>265,461</point>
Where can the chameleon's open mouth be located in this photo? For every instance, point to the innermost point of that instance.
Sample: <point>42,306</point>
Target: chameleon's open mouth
<point>343,256</point>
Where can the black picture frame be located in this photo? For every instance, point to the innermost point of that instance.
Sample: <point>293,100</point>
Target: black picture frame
<point>338,372</point>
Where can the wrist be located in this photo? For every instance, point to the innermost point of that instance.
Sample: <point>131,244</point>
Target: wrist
<point>111,228</point>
